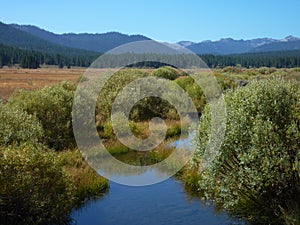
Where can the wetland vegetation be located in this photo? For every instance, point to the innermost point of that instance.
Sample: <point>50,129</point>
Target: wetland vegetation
<point>256,175</point>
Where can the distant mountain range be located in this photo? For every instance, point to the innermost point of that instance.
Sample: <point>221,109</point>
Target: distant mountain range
<point>34,38</point>
<point>92,42</point>
<point>11,36</point>
<point>230,46</point>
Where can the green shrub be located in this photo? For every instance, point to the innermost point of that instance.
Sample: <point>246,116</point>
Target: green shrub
<point>256,175</point>
<point>266,70</point>
<point>108,131</point>
<point>34,189</point>
<point>225,82</point>
<point>18,127</point>
<point>110,90</point>
<point>150,107</point>
<point>53,107</point>
<point>144,109</point>
<point>185,82</point>
<point>232,69</point>
<point>195,91</point>
<point>166,72</point>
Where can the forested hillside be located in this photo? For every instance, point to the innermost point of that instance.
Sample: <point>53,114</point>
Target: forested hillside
<point>10,56</point>
<point>30,47</point>
<point>33,59</point>
<point>91,42</point>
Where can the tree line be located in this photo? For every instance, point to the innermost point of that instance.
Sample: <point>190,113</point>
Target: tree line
<point>277,59</point>
<point>285,59</point>
<point>33,59</point>
<point>10,56</point>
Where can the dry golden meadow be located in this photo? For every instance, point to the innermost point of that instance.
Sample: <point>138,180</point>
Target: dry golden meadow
<point>14,79</point>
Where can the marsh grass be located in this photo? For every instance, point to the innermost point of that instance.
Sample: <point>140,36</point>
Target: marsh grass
<point>291,215</point>
<point>87,181</point>
<point>161,152</point>
<point>190,177</point>
<point>141,158</point>
<point>115,147</point>
<point>141,130</point>
<point>174,129</point>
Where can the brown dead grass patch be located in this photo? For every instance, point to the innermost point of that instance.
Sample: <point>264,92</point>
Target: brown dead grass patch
<point>14,79</point>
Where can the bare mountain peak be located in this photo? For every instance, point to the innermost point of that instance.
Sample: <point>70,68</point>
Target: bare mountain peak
<point>290,38</point>
<point>226,39</point>
<point>226,46</point>
<point>185,43</point>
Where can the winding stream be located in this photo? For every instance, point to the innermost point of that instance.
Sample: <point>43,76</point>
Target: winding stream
<point>165,203</point>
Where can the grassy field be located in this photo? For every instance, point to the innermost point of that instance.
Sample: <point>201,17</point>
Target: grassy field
<point>12,79</point>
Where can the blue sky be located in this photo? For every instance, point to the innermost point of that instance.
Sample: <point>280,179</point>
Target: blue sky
<point>162,20</point>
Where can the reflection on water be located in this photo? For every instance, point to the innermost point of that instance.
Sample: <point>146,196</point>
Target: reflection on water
<point>162,203</point>
<point>183,143</point>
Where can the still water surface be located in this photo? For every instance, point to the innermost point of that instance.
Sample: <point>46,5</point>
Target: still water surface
<point>165,203</point>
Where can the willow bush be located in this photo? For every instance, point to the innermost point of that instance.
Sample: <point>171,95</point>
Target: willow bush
<point>38,185</point>
<point>167,72</point>
<point>256,175</point>
<point>17,127</point>
<point>144,109</point>
<point>195,91</point>
<point>52,105</point>
<point>34,188</point>
<point>110,91</point>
